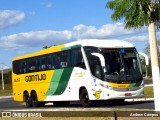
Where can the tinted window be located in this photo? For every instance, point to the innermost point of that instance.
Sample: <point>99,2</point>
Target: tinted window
<point>68,58</point>
<point>77,58</point>
<point>49,62</point>
<point>93,61</point>
<point>31,65</point>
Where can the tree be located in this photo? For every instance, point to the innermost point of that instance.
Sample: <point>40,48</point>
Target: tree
<point>46,47</point>
<point>136,14</point>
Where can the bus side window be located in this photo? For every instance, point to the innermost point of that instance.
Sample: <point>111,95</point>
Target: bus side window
<point>49,62</point>
<point>63,62</point>
<point>17,67</point>
<point>32,64</point>
<point>96,67</point>
<point>80,62</point>
<point>54,59</point>
<point>68,58</point>
<point>43,63</point>
<point>23,67</point>
<point>77,59</point>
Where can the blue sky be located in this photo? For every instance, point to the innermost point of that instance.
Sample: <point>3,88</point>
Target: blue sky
<point>28,25</point>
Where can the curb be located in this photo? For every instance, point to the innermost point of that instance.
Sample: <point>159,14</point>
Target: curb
<point>4,97</point>
<point>148,85</point>
<point>139,99</point>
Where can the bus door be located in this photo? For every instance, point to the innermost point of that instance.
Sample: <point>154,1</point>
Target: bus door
<point>97,73</point>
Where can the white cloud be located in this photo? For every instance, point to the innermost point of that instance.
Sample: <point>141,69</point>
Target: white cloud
<point>9,18</point>
<point>21,52</point>
<point>4,68</point>
<point>137,38</point>
<point>34,39</point>
<point>48,5</point>
<point>32,13</point>
<point>105,31</point>
<point>82,31</point>
<point>51,37</point>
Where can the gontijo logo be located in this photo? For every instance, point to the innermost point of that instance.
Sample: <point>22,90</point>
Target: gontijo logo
<point>37,77</point>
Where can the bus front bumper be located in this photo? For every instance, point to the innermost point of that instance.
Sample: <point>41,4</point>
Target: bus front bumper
<point>112,94</point>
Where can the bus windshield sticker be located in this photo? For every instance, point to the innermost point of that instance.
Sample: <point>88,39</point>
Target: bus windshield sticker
<point>122,51</point>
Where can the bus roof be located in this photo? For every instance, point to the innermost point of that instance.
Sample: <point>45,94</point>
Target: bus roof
<point>105,43</point>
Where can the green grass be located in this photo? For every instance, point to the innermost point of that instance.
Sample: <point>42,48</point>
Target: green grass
<point>7,90</point>
<point>148,92</point>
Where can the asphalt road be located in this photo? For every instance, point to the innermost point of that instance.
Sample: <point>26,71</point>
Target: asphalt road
<point>148,82</point>
<point>9,104</point>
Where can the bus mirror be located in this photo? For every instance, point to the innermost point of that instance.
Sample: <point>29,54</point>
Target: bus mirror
<point>100,56</point>
<point>145,57</point>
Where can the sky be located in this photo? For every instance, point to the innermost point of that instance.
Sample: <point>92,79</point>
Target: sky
<point>28,25</point>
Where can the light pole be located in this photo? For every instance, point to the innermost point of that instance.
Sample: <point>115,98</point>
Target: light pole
<point>2,76</point>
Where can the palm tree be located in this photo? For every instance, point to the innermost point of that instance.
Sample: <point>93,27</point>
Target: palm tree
<point>136,14</point>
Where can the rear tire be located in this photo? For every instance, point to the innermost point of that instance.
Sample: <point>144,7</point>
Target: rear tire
<point>84,98</point>
<point>35,102</point>
<point>27,100</point>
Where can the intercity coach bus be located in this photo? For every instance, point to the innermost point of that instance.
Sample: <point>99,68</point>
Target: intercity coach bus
<point>85,70</point>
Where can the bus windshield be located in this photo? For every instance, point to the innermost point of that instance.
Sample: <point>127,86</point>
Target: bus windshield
<point>122,65</point>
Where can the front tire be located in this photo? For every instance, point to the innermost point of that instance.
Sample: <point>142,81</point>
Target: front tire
<point>84,98</point>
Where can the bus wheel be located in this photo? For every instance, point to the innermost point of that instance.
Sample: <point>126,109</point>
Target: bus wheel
<point>84,98</point>
<point>34,100</point>
<point>27,100</point>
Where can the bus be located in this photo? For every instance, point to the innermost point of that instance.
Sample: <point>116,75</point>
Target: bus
<point>84,70</point>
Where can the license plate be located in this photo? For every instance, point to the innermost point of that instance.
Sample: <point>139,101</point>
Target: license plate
<point>128,94</point>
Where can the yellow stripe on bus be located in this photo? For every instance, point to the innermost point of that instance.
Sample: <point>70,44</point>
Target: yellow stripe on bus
<point>45,51</point>
<point>115,85</point>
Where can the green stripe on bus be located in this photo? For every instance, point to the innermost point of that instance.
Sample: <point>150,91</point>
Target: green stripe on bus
<point>135,84</point>
<point>54,82</point>
<point>72,47</point>
<point>59,81</point>
<point>76,46</point>
<point>64,81</point>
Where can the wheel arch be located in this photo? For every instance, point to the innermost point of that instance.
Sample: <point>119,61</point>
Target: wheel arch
<point>25,93</point>
<point>80,90</point>
<point>32,91</point>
